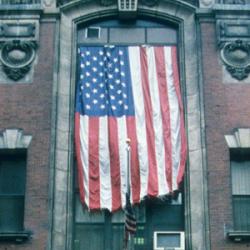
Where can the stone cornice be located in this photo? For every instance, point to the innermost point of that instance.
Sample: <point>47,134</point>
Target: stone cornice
<point>111,3</point>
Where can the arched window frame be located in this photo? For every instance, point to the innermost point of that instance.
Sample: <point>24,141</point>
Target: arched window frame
<point>181,14</point>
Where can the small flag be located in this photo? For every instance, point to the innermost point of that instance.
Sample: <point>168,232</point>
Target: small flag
<point>130,219</point>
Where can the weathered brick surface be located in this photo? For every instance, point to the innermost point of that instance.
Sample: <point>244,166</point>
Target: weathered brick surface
<point>28,107</point>
<point>226,108</point>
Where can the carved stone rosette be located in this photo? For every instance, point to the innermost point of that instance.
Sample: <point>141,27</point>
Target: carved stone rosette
<point>236,57</point>
<point>17,57</point>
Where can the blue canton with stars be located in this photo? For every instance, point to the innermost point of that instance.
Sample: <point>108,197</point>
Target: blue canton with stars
<point>104,87</point>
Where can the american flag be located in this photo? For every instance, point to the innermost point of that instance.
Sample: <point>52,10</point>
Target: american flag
<point>128,92</point>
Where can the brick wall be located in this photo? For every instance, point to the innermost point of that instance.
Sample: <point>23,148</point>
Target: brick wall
<point>226,107</point>
<point>28,107</point>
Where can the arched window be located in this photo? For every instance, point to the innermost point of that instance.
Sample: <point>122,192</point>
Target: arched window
<point>105,230</point>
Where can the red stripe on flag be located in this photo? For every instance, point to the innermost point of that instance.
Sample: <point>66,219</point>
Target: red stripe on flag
<point>78,156</point>
<point>152,174</point>
<point>135,169</point>
<point>165,112</point>
<point>94,172</point>
<point>114,163</point>
<point>183,135</point>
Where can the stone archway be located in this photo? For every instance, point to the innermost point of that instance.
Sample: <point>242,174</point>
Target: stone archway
<point>181,14</point>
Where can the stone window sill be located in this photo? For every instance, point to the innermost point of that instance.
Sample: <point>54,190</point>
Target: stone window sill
<point>17,237</point>
<point>239,236</point>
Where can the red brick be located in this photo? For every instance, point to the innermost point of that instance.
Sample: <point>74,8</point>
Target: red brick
<point>28,107</point>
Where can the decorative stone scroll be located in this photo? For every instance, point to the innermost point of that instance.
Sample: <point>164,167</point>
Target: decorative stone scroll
<point>236,57</point>
<point>233,37</point>
<point>16,57</point>
<point>18,45</point>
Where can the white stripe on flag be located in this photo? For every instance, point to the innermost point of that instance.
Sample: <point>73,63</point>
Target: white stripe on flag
<point>84,131</point>
<point>135,68</point>
<point>122,136</point>
<point>174,117</point>
<point>104,163</point>
<point>157,121</point>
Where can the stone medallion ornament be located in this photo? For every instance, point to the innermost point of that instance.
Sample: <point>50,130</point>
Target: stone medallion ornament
<point>236,57</point>
<point>16,57</point>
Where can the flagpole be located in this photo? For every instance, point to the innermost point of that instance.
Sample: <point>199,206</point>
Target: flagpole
<point>128,238</point>
<point>128,166</point>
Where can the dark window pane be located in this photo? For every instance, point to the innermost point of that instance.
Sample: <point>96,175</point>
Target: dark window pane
<point>166,217</point>
<point>11,213</point>
<point>117,236</point>
<point>102,38</point>
<point>161,35</point>
<point>151,216</point>
<point>82,215</point>
<point>240,177</point>
<point>126,36</point>
<point>241,213</point>
<point>90,237</point>
<point>93,32</point>
<point>12,174</point>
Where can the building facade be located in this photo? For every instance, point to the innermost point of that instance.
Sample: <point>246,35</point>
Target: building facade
<point>39,194</point>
